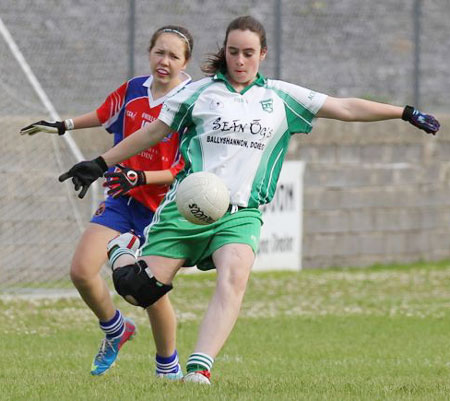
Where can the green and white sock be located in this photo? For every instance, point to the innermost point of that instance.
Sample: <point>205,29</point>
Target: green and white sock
<point>199,361</point>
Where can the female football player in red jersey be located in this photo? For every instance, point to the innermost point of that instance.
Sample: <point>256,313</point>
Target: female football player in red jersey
<point>135,190</point>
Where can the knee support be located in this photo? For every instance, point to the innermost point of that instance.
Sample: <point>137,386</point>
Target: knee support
<point>136,286</point>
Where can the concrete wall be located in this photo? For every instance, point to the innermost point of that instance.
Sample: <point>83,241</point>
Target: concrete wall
<point>374,193</point>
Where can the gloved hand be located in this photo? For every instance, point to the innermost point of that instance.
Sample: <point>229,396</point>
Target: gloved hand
<point>123,179</point>
<point>420,120</point>
<point>57,127</point>
<point>84,174</point>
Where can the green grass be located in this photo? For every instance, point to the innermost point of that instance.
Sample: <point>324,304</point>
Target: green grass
<point>356,334</point>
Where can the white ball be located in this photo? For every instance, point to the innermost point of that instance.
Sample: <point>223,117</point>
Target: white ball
<point>202,198</point>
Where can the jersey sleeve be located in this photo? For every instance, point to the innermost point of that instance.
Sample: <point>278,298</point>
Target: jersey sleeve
<point>176,111</point>
<point>301,105</point>
<point>108,113</point>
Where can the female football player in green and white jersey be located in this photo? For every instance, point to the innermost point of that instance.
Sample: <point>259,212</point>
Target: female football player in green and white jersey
<point>238,126</point>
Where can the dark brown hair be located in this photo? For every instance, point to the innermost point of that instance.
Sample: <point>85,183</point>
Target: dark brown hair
<point>217,62</point>
<point>183,34</point>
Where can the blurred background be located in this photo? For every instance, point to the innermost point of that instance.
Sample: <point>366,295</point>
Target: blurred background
<point>374,193</point>
<point>391,50</point>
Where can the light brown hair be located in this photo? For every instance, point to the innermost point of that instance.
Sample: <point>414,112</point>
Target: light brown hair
<point>182,32</point>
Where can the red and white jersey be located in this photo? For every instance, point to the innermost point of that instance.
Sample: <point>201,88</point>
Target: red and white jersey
<point>126,110</point>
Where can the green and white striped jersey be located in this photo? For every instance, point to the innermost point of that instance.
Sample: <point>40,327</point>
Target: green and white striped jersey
<point>241,137</point>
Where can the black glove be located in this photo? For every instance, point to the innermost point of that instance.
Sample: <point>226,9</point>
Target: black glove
<point>420,120</point>
<point>58,127</point>
<point>84,174</point>
<point>123,179</point>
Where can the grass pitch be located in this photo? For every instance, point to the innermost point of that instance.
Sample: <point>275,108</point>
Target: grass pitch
<point>358,334</point>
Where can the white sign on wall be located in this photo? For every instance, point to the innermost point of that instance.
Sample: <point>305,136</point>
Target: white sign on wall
<point>280,246</point>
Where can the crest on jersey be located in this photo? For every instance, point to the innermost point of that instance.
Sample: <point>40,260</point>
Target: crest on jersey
<point>267,105</point>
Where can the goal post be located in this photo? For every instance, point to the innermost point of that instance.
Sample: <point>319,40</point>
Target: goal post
<point>40,219</point>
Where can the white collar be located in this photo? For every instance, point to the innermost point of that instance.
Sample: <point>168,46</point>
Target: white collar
<point>156,102</point>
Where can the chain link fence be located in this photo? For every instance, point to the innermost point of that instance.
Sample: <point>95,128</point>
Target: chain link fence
<point>79,51</point>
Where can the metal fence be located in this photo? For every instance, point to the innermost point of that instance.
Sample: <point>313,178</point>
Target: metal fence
<point>389,50</point>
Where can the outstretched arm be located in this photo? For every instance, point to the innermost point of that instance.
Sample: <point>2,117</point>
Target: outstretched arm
<point>83,174</point>
<point>144,138</point>
<point>87,120</point>
<point>353,109</point>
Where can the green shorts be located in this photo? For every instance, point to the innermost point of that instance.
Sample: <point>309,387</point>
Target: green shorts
<point>172,236</point>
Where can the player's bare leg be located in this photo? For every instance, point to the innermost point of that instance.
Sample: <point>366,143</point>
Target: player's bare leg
<point>163,321</point>
<point>161,314</point>
<point>89,257</point>
<point>87,262</point>
<point>233,263</point>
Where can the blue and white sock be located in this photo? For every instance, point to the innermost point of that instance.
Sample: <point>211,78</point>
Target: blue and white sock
<point>115,327</point>
<point>168,364</point>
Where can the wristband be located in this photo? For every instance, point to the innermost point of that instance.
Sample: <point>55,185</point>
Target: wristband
<point>142,177</point>
<point>69,124</point>
<point>101,163</point>
<point>408,112</point>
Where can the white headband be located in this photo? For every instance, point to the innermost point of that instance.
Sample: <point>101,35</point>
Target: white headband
<point>182,35</point>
